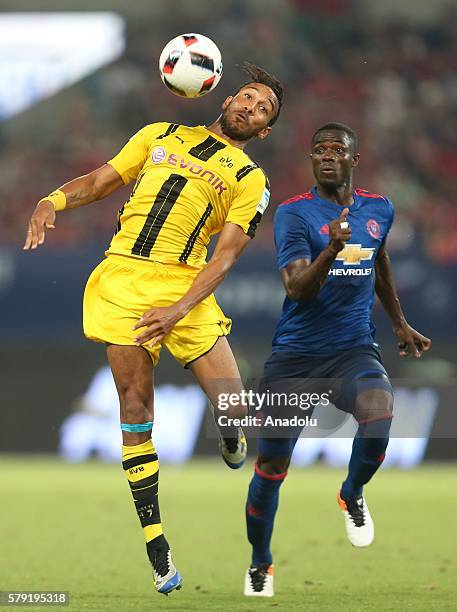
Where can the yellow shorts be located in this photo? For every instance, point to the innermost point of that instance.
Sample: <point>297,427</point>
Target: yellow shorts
<point>121,289</point>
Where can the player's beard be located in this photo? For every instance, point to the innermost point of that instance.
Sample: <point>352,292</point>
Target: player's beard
<point>235,131</point>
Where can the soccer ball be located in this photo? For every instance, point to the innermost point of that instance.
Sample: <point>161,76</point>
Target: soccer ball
<point>190,65</point>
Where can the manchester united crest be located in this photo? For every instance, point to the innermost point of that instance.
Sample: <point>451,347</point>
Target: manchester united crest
<point>373,228</point>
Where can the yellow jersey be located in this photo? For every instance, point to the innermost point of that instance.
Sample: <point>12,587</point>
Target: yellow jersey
<point>189,183</point>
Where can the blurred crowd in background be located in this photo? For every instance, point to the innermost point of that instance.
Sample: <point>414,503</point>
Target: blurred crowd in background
<point>394,82</point>
<point>388,69</point>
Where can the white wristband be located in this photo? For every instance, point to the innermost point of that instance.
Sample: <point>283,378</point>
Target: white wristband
<point>344,225</point>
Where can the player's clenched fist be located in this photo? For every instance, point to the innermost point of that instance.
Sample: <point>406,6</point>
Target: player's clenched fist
<point>43,217</point>
<point>339,231</point>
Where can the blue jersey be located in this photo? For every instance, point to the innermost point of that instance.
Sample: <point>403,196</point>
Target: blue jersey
<point>339,316</point>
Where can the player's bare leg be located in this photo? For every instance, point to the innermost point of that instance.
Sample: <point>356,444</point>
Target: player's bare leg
<point>219,377</point>
<point>133,375</point>
<point>373,412</point>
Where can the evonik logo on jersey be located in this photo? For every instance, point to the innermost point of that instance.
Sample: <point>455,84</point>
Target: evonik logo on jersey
<point>159,155</point>
<point>353,255</point>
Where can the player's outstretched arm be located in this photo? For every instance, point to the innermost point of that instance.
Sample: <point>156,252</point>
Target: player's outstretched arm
<point>302,279</point>
<point>159,321</point>
<point>411,341</point>
<point>78,192</point>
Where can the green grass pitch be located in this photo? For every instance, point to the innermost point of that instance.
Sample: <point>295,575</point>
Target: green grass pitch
<point>73,527</point>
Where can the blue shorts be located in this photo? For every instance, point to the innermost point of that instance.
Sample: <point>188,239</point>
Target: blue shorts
<point>343,376</point>
<point>341,373</point>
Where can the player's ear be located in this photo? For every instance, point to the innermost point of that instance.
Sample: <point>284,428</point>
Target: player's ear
<point>264,133</point>
<point>355,160</point>
<point>226,102</point>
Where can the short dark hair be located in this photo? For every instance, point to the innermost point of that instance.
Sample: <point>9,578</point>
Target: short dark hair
<point>259,75</point>
<point>339,127</point>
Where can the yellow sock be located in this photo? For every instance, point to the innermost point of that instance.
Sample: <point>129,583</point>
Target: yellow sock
<point>141,467</point>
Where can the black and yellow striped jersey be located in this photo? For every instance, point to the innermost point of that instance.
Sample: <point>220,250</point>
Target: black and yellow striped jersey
<point>189,183</point>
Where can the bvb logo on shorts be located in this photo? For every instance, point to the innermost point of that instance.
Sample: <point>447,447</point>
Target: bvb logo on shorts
<point>373,228</point>
<point>158,155</point>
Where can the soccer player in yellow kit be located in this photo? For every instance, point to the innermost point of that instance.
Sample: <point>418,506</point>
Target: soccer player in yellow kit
<point>155,287</point>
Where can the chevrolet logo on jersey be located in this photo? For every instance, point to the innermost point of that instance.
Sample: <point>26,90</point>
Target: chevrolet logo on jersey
<point>353,254</point>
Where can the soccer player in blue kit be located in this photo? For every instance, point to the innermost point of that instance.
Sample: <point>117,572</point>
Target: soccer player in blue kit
<point>331,252</point>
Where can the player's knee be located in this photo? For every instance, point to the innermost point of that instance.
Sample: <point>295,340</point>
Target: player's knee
<point>135,404</point>
<point>273,465</point>
<point>373,404</point>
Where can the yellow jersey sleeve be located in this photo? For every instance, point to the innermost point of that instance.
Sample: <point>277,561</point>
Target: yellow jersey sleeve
<point>132,157</point>
<point>251,199</point>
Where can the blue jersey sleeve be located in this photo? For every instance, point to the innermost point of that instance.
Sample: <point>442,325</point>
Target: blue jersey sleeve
<point>291,236</point>
<point>390,221</point>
